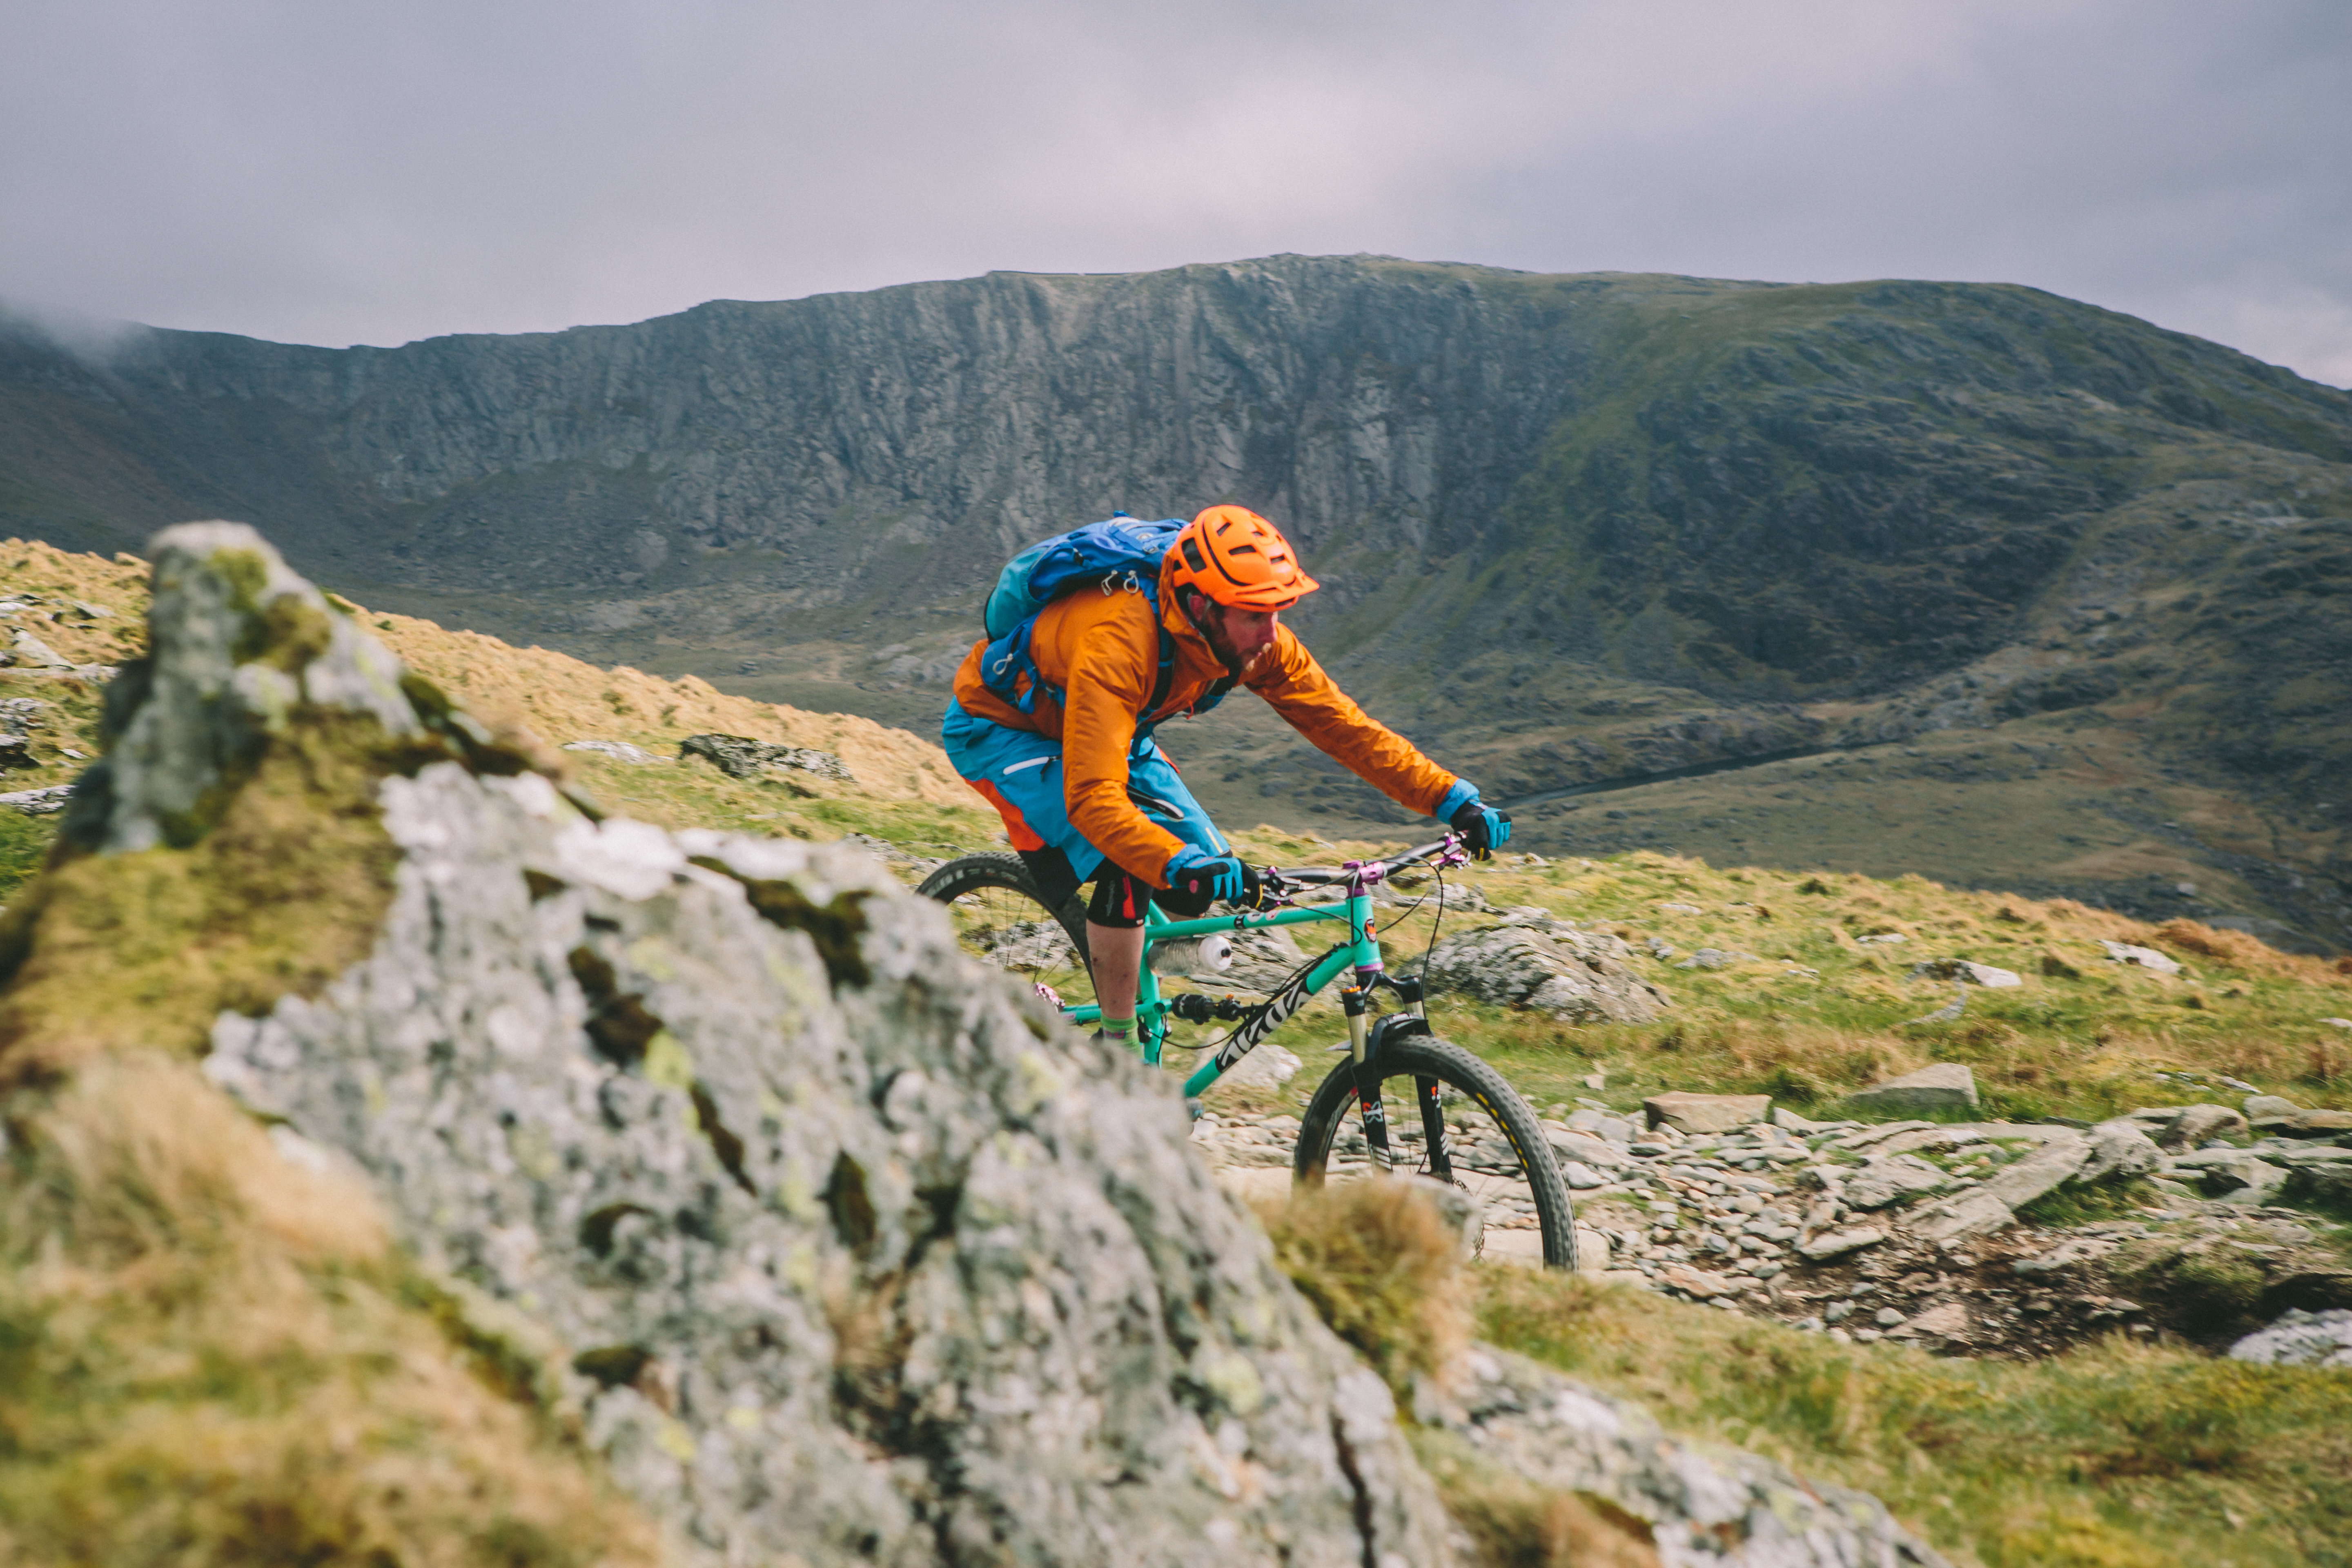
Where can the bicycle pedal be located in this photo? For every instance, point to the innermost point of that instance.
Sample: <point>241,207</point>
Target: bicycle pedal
<point>1192,1105</point>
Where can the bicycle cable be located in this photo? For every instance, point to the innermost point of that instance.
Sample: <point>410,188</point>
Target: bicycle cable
<point>1435,920</point>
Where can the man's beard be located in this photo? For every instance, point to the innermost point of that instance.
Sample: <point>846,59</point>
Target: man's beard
<point>1236,663</point>
<point>1214,633</point>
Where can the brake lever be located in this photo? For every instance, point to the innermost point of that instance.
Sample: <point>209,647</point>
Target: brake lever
<point>1273,892</point>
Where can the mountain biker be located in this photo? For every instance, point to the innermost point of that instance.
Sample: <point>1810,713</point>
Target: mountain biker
<point>1084,790</point>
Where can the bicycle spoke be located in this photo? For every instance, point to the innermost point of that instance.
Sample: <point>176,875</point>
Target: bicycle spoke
<point>1446,1131</point>
<point>1000,922</point>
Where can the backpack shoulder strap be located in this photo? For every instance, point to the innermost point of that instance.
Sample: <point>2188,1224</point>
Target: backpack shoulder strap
<point>1167,670</point>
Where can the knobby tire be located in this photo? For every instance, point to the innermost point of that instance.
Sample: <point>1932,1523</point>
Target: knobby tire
<point>1424,1055</point>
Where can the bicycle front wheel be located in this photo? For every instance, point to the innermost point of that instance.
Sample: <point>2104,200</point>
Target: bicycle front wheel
<point>1451,1117</point>
<point>1001,919</point>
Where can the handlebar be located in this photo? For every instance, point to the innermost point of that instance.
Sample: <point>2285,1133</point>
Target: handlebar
<point>1447,851</point>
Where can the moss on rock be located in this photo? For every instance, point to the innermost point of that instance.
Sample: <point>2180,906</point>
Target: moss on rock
<point>209,1351</point>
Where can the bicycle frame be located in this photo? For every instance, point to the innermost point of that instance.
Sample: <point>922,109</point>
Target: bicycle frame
<point>1359,952</point>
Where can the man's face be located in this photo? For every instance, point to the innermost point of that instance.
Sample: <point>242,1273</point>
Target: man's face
<point>1238,636</point>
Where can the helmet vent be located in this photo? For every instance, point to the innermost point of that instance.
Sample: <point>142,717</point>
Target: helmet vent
<point>1192,556</point>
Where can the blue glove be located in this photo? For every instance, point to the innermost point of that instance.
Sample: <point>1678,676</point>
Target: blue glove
<point>1483,828</point>
<point>1195,871</point>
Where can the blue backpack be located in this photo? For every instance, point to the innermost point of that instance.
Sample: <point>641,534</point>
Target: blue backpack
<point>1121,555</point>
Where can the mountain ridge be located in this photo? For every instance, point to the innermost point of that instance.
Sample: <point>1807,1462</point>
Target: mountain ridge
<point>1572,528</point>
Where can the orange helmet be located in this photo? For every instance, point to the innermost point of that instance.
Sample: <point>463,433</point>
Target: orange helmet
<point>1239,560</point>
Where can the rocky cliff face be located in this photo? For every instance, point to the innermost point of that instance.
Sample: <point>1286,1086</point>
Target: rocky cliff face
<point>1573,528</point>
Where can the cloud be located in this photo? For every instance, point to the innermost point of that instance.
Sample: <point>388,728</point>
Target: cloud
<point>93,340</point>
<point>374,174</point>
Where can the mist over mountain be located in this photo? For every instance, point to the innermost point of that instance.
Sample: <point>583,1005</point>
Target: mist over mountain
<point>2019,592</point>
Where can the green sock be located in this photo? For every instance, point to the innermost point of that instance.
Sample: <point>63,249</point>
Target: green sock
<point>1120,1028</point>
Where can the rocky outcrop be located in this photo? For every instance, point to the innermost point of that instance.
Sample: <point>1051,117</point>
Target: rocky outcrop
<point>1547,965</point>
<point>1704,1508</point>
<point>2300,1339</point>
<point>741,757</point>
<point>852,1256</point>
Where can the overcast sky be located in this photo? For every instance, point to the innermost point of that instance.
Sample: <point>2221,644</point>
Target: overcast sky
<point>343,172</point>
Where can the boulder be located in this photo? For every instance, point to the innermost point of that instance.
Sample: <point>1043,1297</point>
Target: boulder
<point>1881,1181</point>
<point>851,1256</point>
<point>1972,1213</point>
<point>2141,957</point>
<point>1835,1244</point>
<point>1686,1113</point>
<point>2319,1124</point>
<point>1593,1151</point>
<point>1947,1086</point>
<point>1548,966</point>
<point>1695,1503</point>
<point>2119,1149</point>
<point>2058,1160</point>
<point>1967,973</point>
<point>29,652</point>
<point>2264,1111</point>
<point>2193,1125</point>
<point>1697,1283</point>
<point>1601,1124</point>
<point>1269,1066</point>
<point>2300,1339</point>
<point>1992,1206</point>
<point>2243,1177</point>
<point>740,756</point>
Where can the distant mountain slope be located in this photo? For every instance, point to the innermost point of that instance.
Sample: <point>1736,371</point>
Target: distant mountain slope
<point>1574,528</point>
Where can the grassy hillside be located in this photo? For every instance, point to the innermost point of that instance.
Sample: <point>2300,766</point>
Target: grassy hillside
<point>2065,590</point>
<point>1812,1013</point>
<point>2119,1454</point>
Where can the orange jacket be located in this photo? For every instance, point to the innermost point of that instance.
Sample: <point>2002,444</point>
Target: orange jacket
<point>1103,651</point>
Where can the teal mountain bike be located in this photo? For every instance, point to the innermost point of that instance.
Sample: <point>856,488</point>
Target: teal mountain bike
<point>1420,1103</point>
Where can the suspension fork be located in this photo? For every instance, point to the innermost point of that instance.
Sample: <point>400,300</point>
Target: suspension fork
<point>1356,1002</point>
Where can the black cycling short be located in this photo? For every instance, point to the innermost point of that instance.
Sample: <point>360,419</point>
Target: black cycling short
<point>1119,894</point>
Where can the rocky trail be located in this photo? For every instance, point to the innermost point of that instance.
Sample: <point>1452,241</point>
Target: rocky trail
<point>1909,1230</point>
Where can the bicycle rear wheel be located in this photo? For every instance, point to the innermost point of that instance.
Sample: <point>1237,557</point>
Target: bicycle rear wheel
<point>1488,1144</point>
<point>1001,919</point>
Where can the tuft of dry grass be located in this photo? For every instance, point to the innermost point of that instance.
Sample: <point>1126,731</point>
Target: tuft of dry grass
<point>210,1355</point>
<point>2247,954</point>
<point>1382,1267</point>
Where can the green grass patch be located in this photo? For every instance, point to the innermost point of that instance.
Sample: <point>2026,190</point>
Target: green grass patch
<point>2112,1456</point>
